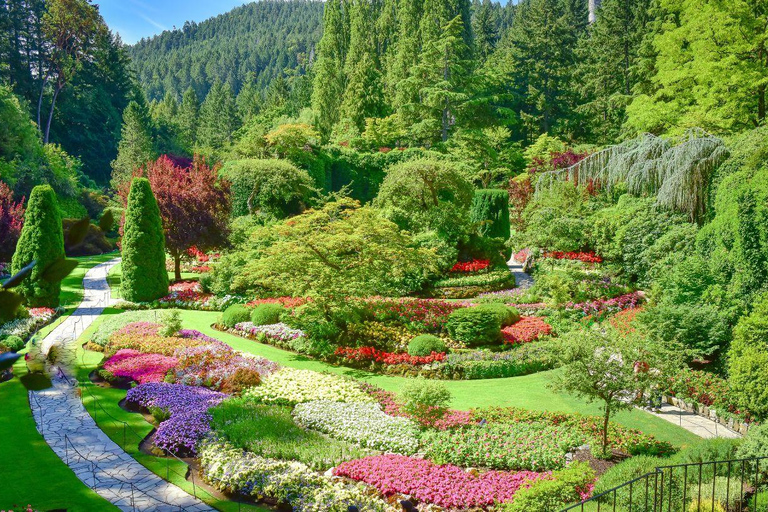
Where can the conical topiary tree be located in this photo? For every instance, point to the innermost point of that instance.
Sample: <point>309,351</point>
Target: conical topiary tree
<point>41,240</point>
<point>144,275</point>
<point>490,207</point>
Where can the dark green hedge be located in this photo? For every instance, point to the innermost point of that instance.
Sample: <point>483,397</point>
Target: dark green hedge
<point>490,209</point>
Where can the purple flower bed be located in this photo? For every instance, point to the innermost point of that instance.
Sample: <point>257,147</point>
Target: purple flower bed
<point>197,335</point>
<point>188,408</point>
<point>614,305</point>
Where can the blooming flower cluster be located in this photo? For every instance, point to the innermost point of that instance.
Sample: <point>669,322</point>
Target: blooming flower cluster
<point>522,255</point>
<point>288,302</point>
<point>25,327</point>
<point>503,295</point>
<point>362,423</point>
<point>211,365</point>
<point>529,446</point>
<point>607,306</point>
<point>704,388</point>
<point>144,337</point>
<point>188,409</point>
<point>5,269</point>
<point>526,330</point>
<point>370,354</point>
<point>276,332</point>
<point>289,386</point>
<point>446,486</point>
<point>391,406</point>
<point>139,366</point>
<point>420,315</point>
<point>470,266</point>
<point>292,483</point>
<point>586,257</point>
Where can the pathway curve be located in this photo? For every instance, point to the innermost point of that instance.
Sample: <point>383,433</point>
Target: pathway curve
<point>522,279</point>
<point>73,434</point>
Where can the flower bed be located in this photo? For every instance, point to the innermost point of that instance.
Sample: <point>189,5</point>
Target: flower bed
<point>607,306</point>
<point>144,337</point>
<point>495,279</point>
<point>235,471</point>
<point>522,255</point>
<point>372,355</point>
<point>470,266</point>
<point>505,296</point>
<point>523,360</point>
<point>361,423</point>
<point>188,408</point>
<point>216,365</point>
<point>288,302</point>
<point>446,486</point>
<point>529,446</point>
<point>418,315</point>
<point>289,386</point>
<point>586,257</point>
<point>139,366</point>
<point>705,389</point>
<point>275,332</point>
<point>26,327</point>
<point>526,330</point>
<point>392,407</point>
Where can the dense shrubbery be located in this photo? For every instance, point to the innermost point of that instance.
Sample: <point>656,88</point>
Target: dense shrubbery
<point>474,326</point>
<point>425,344</point>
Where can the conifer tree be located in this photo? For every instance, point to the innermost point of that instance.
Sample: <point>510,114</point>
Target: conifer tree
<point>144,277</point>
<point>249,99</point>
<point>218,119</point>
<point>485,28</point>
<point>330,83</point>
<point>42,241</point>
<point>406,54</point>
<point>136,147</point>
<point>188,117</point>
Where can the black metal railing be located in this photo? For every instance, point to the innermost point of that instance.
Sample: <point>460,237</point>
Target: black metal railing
<point>739,485</point>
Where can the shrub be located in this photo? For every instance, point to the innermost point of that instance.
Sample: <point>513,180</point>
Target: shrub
<point>11,222</point>
<point>13,343</point>
<point>426,400</point>
<point>234,315</point>
<point>474,326</point>
<point>490,209</point>
<point>144,275</point>
<point>755,444</point>
<point>171,323</point>
<point>629,470</point>
<point>424,344</point>
<point>267,314</point>
<point>41,240</point>
<point>526,330</point>
<point>507,315</point>
<point>567,486</point>
<point>748,362</point>
<point>95,241</point>
<point>242,379</point>
<point>705,504</point>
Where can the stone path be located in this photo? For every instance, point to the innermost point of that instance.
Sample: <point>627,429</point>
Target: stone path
<point>74,436</point>
<point>692,422</point>
<point>522,279</point>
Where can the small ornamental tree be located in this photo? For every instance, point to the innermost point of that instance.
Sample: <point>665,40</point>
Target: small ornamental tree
<point>490,210</point>
<point>194,204</point>
<point>11,222</point>
<point>144,276</point>
<point>41,240</point>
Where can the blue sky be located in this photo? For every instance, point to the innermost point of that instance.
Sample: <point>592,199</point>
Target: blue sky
<point>134,19</point>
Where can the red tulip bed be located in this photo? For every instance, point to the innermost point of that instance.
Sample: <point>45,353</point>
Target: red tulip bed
<point>446,485</point>
<point>526,330</point>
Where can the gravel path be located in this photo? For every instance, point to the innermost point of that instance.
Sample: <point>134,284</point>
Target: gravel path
<point>73,434</point>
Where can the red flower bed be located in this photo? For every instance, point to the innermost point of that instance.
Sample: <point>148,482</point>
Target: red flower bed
<point>418,314</point>
<point>288,302</point>
<point>446,485</point>
<point>471,266</point>
<point>522,255</point>
<point>528,329</point>
<point>202,269</point>
<point>586,257</point>
<point>365,354</point>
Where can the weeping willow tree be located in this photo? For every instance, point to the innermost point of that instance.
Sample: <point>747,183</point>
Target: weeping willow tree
<point>677,172</point>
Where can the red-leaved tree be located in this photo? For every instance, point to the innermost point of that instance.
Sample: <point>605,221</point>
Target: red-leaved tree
<point>194,204</point>
<point>11,222</point>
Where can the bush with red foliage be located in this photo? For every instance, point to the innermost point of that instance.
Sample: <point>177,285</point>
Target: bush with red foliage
<point>528,329</point>
<point>586,257</point>
<point>470,266</point>
<point>370,354</point>
<point>11,222</point>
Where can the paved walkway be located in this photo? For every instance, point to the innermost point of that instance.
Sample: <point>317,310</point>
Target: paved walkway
<point>692,422</point>
<point>74,436</point>
<point>522,279</point>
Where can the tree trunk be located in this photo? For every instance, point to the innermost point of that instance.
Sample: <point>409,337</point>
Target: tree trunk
<point>40,104</point>
<point>761,103</point>
<point>50,114</point>
<point>177,267</point>
<point>605,427</point>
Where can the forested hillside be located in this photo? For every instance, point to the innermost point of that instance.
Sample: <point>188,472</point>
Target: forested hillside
<point>254,43</point>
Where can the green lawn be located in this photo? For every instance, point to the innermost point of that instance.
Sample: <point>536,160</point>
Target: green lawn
<point>30,472</point>
<point>115,274</point>
<point>530,391</point>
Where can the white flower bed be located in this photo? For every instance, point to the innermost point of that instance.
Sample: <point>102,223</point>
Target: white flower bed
<point>25,327</point>
<point>281,331</point>
<point>361,423</point>
<point>232,470</point>
<point>289,386</point>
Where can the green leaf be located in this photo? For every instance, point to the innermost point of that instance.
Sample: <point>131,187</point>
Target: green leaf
<point>16,279</point>
<point>58,270</point>
<point>78,232</point>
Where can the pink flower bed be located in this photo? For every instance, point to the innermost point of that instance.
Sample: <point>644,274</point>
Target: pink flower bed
<point>139,366</point>
<point>391,406</point>
<point>446,486</point>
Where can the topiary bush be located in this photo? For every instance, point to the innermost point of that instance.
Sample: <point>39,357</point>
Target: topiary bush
<point>474,326</point>
<point>267,314</point>
<point>41,240</point>
<point>13,343</point>
<point>144,275</point>
<point>490,210</point>
<point>507,315</point>
<point>424,344</point>
<point>234,315</point>
<point>562,490</point>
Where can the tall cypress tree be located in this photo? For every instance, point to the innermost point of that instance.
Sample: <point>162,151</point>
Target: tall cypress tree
<point>218,119</point>
<point>136,147</point>
<point>363,96</point>
<point>144,276</point>
<point>330,83</point>
<point>41,240</point>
